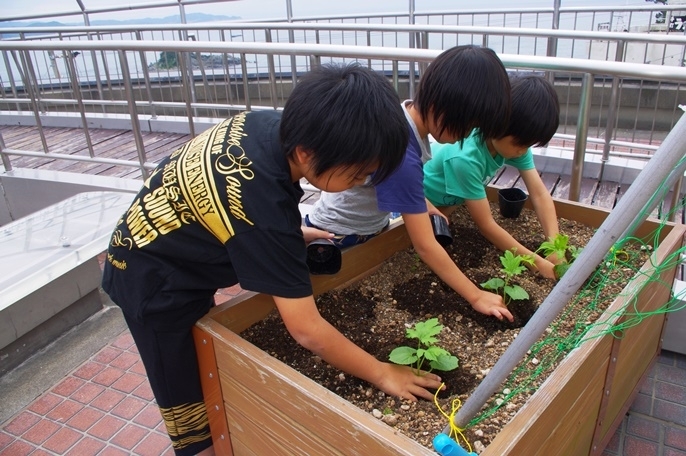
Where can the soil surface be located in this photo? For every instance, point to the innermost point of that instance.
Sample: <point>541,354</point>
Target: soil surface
<point>375,313</point>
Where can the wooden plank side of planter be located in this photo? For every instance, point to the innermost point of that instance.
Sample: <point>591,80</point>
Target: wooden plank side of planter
<point>542,425</point>
<point>262,395</point>
<point>212,393</point>
<point>357,262</point>
<point>592,216</point>
<point>297,415</point>
<point>639,345</point>
<point>560,417</point>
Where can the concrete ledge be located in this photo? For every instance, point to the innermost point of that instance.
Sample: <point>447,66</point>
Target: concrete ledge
<point>38,337</point>
<point>559,161</point>
<point>49,270</point>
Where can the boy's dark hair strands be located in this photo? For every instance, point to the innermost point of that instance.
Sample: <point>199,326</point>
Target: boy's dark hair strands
<point>349,116</point>
<point>482,95</point>
<point>535,110</point>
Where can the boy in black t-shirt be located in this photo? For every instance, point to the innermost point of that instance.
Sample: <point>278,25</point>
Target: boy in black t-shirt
<point>223,209</point>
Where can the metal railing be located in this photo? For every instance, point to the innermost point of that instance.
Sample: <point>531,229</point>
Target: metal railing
<point>591,82</point>
<point>639,113</point>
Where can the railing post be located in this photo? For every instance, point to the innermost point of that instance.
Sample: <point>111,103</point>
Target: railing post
<point>272,73</point>
<point>146,77</point>
<point>94,58</point>
<point>10,76</point>
<point>246,87</point>
<point>188,92</point>
<point>32,92</point>
<point>552,41</point>
<point>76,90</point>
<point>133,113</point>
<point>412,45</point>
<point>5,158</point>
<point>291,39</point>
<point>612,112</point>
<point>581,135</point>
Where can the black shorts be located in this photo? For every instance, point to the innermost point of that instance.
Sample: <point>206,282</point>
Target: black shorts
<point>165,343</point>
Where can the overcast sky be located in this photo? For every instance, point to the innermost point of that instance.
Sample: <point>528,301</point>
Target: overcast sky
<point>264,9</point>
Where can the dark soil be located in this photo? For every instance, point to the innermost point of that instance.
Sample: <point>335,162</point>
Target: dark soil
<point>376,312</point>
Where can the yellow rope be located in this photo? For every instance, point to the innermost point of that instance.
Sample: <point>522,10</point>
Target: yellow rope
<point>455,431</point>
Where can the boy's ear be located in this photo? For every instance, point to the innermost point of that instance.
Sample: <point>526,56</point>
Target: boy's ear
<point>302,156</point>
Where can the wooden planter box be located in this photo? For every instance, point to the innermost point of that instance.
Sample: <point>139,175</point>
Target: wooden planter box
<point>260,406</point>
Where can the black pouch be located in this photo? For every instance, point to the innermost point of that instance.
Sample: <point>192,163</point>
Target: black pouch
<point>441,230</point>
<point>323,257</point>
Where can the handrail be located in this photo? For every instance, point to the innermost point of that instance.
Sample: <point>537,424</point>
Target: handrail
<point>623,69</point>
<point>167,4</point>
<point>410,28</point>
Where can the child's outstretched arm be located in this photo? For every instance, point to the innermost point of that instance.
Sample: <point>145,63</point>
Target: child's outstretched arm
<point>480,211</point>
<point>434,255</point>
<point>312,331</point>
<point>542,202</point>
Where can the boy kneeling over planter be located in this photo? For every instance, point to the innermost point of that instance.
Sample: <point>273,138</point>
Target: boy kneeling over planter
<point>223,209</point>
<point>457,172</point>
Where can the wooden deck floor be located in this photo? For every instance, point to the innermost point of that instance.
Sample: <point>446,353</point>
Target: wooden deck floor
<point>120,144</point>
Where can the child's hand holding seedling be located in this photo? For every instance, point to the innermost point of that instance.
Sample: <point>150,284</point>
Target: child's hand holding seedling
<point>425,332</point>
<point>561,252</point>
<point>513,265</point>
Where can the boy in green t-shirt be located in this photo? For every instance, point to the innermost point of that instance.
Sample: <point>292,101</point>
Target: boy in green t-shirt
<point>458,173</point>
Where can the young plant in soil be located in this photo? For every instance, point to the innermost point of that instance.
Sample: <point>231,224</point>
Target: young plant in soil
<point>559,247</point>
<point>425,332</point>
<point>513,265</point>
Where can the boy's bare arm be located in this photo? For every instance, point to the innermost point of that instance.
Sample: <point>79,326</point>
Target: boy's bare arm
<point>312,331</point>
<point>480,211</point>
<point>434,255</point>
<point>542,202</point>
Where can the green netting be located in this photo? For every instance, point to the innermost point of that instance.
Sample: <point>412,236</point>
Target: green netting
<point>624,261</point>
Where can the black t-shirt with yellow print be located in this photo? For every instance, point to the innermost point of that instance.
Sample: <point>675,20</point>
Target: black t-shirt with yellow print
<point>220,210</point>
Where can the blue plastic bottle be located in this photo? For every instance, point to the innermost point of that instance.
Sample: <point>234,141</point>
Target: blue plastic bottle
<point>445,446</point>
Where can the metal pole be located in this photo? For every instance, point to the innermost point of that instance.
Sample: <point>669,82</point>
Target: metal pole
<point>135,126</point>
<point>94,57</point>
<point>76,89</point>
<point>32,91</point>
<point>612,113</point>
<point>581,135</point>
<point>272,73</point>
<point>410,18</point>
<point>552,41</point>
<point>664,163</point>
<point>5,158</point>
<point>146,77</point>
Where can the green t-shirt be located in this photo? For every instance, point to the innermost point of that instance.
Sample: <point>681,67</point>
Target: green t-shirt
<point>457,173</point>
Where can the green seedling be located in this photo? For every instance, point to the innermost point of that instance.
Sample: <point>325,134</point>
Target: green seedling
<point>559,246</point>
<point>425,332</point>
<point>513,265</point>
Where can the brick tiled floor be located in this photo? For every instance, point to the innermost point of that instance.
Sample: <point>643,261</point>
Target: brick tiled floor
<point>105,407</point>
<point>656,422</point>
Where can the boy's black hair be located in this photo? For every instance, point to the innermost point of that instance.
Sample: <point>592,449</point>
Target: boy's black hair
<point>463,88</point>
<point>535,110</point>
<point>347,116</point>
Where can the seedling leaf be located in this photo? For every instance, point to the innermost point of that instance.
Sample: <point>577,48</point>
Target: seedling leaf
<point>404,355</point>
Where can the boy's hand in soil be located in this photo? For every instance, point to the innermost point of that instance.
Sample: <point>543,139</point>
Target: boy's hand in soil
<point>492,304</point>
<point>401,381</point>
<point>306,325</point>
